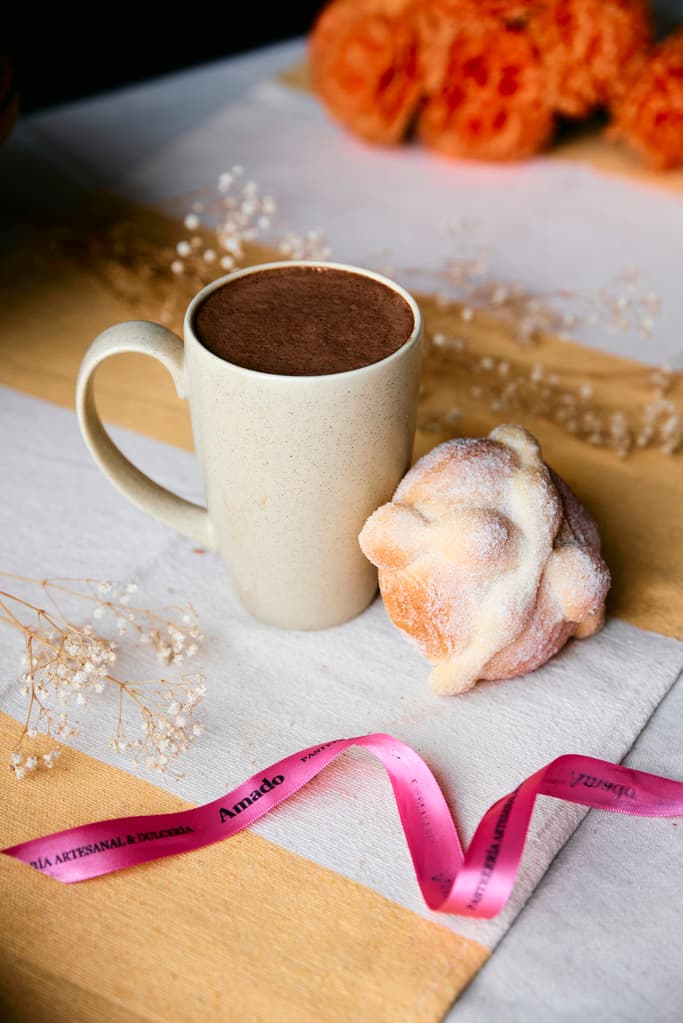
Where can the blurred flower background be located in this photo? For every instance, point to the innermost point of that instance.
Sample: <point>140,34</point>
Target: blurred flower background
<point>495,79</point>
<point>64,52</point>
<point>481,79</point>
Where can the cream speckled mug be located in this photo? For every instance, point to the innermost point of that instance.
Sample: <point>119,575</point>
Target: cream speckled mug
<point>292,465</point>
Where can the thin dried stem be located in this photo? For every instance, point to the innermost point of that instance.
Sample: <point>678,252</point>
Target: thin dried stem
<point>69,664</point>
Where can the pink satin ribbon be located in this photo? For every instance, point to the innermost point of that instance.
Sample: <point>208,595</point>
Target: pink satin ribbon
<point>477,883</point>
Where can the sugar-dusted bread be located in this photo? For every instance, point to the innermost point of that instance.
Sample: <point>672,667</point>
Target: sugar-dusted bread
<point>487,559</point>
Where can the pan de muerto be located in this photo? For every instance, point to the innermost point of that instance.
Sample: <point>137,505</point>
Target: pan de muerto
<point>487,559</point>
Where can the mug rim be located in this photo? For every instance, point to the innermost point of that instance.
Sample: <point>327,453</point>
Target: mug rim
<point>410,342</point>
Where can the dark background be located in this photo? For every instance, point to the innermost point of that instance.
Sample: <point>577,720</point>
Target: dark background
<point>62,52</point>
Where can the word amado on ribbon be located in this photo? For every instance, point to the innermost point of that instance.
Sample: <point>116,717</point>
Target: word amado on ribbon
<point>476,883</point>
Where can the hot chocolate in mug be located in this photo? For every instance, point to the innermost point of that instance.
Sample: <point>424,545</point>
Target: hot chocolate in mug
<point>292,462</point>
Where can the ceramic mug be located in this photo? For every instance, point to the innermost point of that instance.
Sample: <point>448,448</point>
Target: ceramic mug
<point>292,465</point>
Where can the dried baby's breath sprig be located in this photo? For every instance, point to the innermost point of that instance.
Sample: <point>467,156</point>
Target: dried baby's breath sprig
<point>168,727</point>
<point>67,665</point>
<point>468,281</point>
<point>571,401</point>
<point>221,229</point>
<point>575,403</point>
<point>173,634</point>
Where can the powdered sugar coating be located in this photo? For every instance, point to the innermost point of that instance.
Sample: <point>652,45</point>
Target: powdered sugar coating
<point>487,559</point>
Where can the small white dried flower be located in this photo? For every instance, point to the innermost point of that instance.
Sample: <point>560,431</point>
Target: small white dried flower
<point>81,666</point>
<point>233,245</point>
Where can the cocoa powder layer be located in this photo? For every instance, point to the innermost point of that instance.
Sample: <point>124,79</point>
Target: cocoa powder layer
<point>303,321</point>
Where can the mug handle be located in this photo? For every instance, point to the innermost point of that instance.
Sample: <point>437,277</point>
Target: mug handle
<point>162,344</point>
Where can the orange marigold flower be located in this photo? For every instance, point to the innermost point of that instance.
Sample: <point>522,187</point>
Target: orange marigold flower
<point>649,116</point>
<point>587,48</point>
<point>492,104</point>
<point>440,21</point>
<point>364,66</point>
